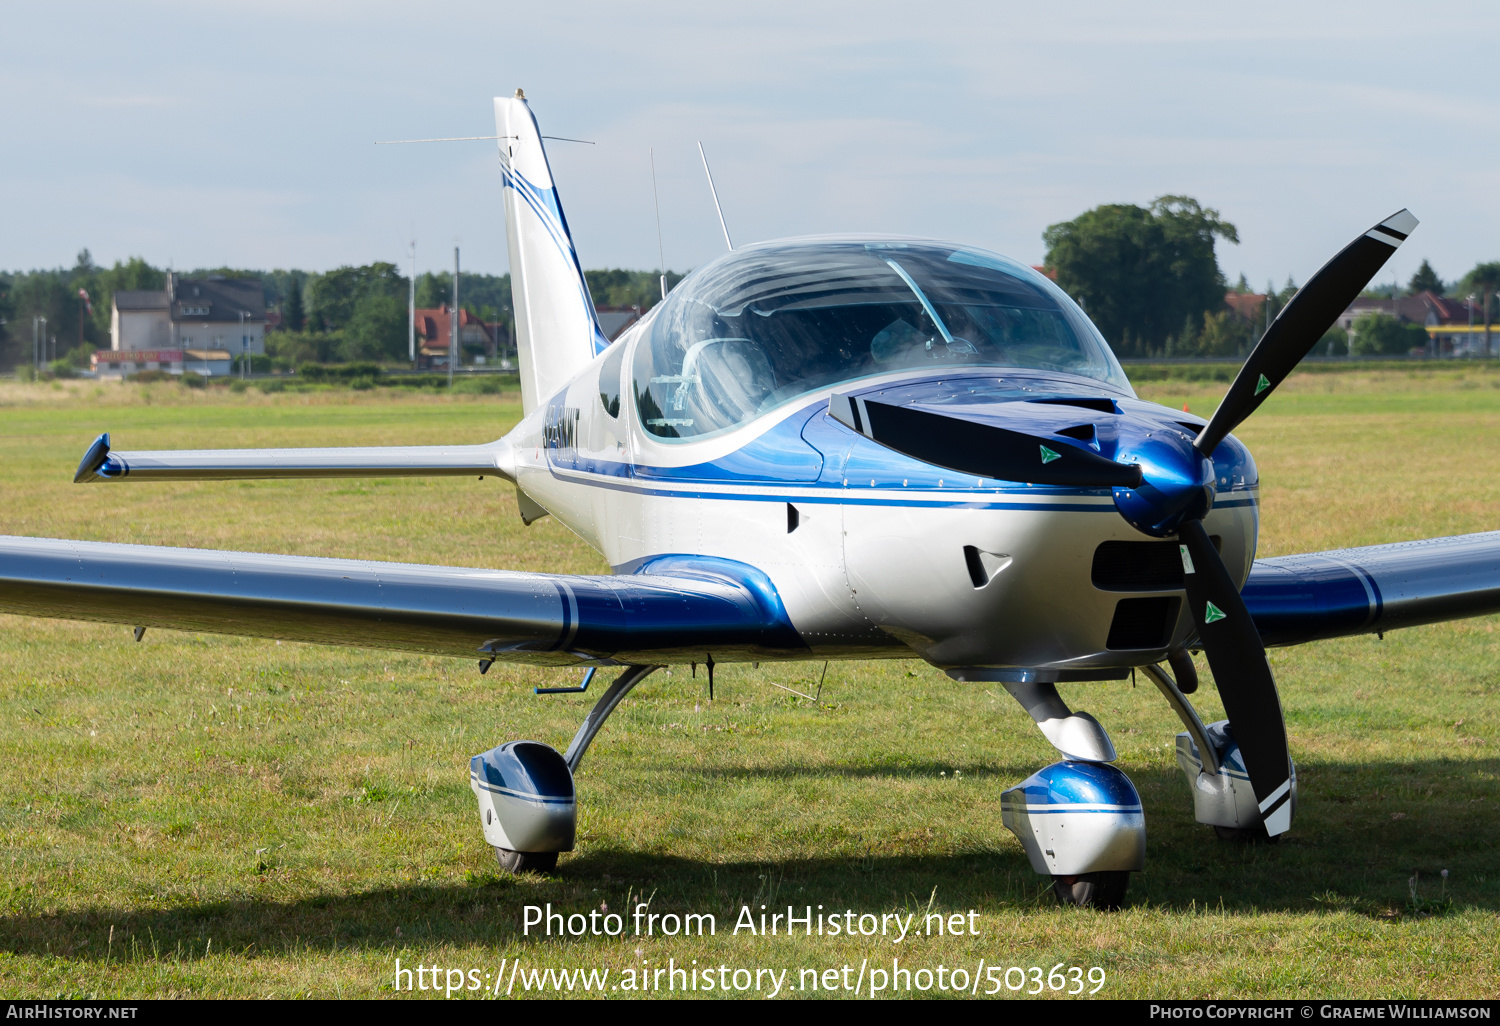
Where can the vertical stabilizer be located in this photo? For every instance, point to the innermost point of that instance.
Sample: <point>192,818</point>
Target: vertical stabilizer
<point>557,333</point>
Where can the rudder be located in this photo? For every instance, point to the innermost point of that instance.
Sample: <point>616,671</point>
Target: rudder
<point>557,333</point>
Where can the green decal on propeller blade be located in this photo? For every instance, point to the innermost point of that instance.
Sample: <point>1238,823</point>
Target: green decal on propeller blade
<point>1262,385</point>
<point>1213,614</point>
<point>1048,455</point>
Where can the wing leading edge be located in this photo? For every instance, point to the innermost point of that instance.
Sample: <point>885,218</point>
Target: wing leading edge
<point>676,609</point>
<point>1316,595</point>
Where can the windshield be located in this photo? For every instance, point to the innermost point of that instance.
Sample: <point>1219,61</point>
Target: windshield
<point>761,326</point>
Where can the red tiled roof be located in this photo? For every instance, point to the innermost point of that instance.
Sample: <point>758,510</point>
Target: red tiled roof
<point>1249,305</point>
<point>435,324</point>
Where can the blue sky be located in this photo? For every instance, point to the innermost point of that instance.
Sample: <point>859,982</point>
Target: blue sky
<point>242,134</point>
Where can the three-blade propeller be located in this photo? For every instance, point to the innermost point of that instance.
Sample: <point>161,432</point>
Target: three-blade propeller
<point>1225,629</point>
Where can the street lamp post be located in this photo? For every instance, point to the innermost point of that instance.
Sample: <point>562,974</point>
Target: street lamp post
<point>1469,338</point>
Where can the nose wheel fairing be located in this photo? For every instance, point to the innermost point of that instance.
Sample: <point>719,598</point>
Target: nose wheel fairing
<point>1075,818</point>
<point>1080,821</point>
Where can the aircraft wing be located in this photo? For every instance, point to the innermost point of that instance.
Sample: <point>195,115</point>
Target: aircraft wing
<point>676,609</point>
<point>1295,599</point>
<point>100,463</point>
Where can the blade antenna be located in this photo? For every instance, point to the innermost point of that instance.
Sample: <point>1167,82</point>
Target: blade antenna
<point>715,192</point>
<point>660,250</point>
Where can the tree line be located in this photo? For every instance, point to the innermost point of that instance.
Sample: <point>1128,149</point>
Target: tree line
<point>347,314</point>
<point>1150,279</point>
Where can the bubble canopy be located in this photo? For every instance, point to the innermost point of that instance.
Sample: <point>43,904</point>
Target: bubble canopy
<point>761,326</point>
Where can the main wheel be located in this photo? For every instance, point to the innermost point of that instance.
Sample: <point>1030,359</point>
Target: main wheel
<point>526,861</point>
<point>1105,890</point>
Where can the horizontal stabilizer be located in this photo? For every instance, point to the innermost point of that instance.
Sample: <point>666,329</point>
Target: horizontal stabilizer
<point>100,463</point>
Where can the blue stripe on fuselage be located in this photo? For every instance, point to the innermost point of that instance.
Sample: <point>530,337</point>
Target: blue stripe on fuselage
<point>809,458</point>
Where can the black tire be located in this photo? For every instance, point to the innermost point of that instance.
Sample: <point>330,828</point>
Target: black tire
<point>1246,835</point>
<point>518,862</point>
<point>1104,891</point>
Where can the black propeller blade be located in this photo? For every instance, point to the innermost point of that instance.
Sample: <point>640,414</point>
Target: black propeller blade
<point>1228,635</point>
<point>1238,660</point>
<point>1302,323</point>
<point>980,449</point>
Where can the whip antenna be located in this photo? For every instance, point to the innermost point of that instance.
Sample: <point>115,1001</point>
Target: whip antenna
<point>715,192</point>
<point>655,198</point>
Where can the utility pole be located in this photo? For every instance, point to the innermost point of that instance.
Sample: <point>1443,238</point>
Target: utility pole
<point>411,310</point>
<point>44,345</point>
<point>244,348</point>
<point>35,362</point>
<point>453,335</point>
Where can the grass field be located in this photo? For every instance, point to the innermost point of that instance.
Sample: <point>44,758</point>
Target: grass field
<point>205,816</point>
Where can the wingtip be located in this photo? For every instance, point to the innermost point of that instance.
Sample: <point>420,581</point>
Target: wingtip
<point>93,459</point>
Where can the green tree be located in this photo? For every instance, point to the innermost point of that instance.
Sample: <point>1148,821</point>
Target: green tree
<point>1225,333</point>
<point>1376,333</point>
<point>1425,280</point>
<point>376,331</point>
<point>292,315</point>
<point>332,297</point>
<point>1485,279</point>
<point>9,339</point>
<point>1335,342</point>
<point>617,287</point>
<point>1140,272</point>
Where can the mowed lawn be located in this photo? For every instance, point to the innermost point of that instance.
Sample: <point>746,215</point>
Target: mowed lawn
<point>206,816</point>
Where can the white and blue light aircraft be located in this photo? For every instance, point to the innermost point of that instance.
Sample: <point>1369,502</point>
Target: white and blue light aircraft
<point>834,448</point>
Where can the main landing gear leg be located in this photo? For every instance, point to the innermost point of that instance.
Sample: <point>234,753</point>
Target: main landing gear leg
<point>1080,820</point>
<point>632,676</point>
<point>1210,759</point>
<point>527,803</point>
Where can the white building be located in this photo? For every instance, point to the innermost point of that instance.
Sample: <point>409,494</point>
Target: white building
<point>193,324</point>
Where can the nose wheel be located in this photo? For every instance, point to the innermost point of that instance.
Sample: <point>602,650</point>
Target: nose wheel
<point>1104,890</point>
<point>526,861</point>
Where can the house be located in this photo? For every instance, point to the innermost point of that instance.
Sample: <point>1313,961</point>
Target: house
<point>482,341</point>
<point>614,321</point>
<point>1455,327</point>
<point>1249,306</point>
<point>1426,308</point>
<point>197,324</point>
